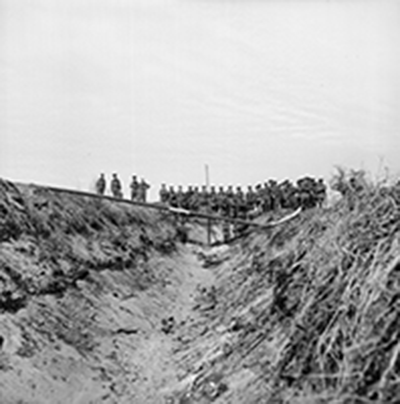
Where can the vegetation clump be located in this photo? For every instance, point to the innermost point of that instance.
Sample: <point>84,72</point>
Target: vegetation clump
<point>322,292</point>
<point>66,237</point>
<point>338,298</point>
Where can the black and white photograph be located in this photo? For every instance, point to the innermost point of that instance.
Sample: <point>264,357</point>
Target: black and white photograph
<point>199,201</point>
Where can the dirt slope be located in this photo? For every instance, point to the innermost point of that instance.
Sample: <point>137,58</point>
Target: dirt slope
<point>101,303</point>
<point>309,312</point>
<point>84,287</point>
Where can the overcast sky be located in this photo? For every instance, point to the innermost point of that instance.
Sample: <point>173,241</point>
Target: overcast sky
<point>256,89</point>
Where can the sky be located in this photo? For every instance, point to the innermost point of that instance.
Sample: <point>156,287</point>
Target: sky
<point>255,89</point>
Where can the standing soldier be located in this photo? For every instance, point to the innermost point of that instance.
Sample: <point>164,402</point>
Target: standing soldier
<point>286,190</point>
<point>134,188</point>
<point>172,197</point>
<point>180,196</point>
<point>213,198</point>
<point>101,185</point>
<point>164,195</point>
<point>282,188</point>
<point>266,197</point>
<point>274,194</point>
<point>116,188</point>
<point>305,196</point>
<point>230,202</point>
<point>143,187</point>
<point>240,204</point>
<point>250,198</point>
<point>296,198</point>
<point>221,200</point>
<point>203,198</point>
<point>194,200</point>
<point>187,196</point>
<point>259,197</point>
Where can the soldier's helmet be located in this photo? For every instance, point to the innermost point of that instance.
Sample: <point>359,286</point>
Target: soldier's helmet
<point>114,175</point>
<point>221,188</point>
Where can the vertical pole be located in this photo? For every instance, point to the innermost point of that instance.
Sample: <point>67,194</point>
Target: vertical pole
<point>207,176</point>
<point>208,205</point>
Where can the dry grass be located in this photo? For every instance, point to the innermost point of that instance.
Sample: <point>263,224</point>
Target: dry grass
<point>335,279</point>
<point>66,236</point>
<point>315,304</point>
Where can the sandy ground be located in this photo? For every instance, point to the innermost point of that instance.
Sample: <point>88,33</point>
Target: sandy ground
<point>112,348</point>
<point>100,303</point>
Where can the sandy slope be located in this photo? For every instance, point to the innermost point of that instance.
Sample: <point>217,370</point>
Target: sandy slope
<point>126,357</point>
<point>84,287</point>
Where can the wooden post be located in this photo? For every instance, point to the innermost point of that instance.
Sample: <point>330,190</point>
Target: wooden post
<point>208,206</point>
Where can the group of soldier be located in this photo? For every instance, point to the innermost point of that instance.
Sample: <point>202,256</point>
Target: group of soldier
<point>138,188</point>
<point>233,203</point>
<point>307,193</point>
